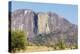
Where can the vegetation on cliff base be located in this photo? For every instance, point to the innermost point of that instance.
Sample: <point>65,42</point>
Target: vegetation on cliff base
<point>19,42</point>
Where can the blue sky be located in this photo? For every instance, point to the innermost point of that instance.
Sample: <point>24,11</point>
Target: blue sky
<point>70,12</point>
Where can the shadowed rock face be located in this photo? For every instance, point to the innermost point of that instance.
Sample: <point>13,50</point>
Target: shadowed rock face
<point>44,22</point>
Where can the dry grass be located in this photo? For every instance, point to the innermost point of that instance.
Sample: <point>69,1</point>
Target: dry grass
<point>35,49</point>
<point>38,48</point>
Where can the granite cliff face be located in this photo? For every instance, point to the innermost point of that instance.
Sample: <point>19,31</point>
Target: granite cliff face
<point>24,20</point>
<point>44,23</point>
<point>43,26</point>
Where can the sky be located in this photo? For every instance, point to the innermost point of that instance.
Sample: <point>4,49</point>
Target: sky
<point>68,11</point>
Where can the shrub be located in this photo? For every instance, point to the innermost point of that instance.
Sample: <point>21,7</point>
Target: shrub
<point>60,45</point>
<point>18,40</point>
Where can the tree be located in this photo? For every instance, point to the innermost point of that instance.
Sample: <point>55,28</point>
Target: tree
<point>18,40</point>
<point>61,44</point>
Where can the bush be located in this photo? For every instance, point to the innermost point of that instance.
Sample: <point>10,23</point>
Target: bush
<point>60,45</point>
<point>18,40</point>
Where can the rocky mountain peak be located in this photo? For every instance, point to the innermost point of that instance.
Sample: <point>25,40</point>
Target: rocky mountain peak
<point>34,23</point>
